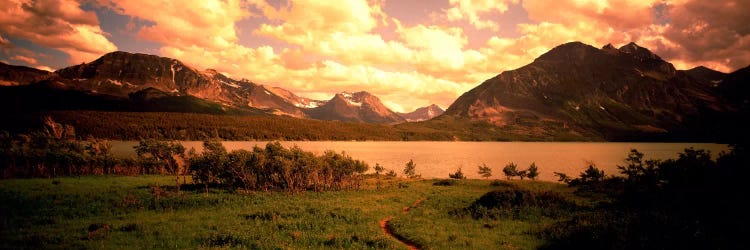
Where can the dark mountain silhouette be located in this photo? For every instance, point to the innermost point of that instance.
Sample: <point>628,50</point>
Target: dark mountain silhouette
<point>12,75</point>
<point>628,93</point>
<point>706,76</point>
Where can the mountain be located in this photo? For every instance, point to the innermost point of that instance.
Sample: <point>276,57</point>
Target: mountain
<point>707,76</point>
<point>736,88</point>
<point>117,75</point>
<point>355,107</point>
<point>142,82</point>
<point>11,75</point>
<point>423,113</point>
<point>628,93</point>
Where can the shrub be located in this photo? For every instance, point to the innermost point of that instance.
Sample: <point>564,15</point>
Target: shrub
<point>410,170</point>
<point>391,173</point>
<point>510,170</point>
<point>532,172</point>
<point>485,171</point>
<point>378,169</point>
<point>512,202</point>
<point>458,175</point>
<point>276,168</point>
<point>447,182</point>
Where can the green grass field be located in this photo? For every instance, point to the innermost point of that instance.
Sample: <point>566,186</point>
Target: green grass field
<point>144,213</point>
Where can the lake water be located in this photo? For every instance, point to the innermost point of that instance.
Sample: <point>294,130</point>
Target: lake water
<point>437,159</point>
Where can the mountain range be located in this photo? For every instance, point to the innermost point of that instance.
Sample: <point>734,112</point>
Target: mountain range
<point>625,93</point>
<point>135,78</point>
<point>574,90</point>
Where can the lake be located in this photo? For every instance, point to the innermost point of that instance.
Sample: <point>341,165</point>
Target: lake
<point>437,159</point>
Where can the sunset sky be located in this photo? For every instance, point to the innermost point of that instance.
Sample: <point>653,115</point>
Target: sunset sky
<point>410,53</point>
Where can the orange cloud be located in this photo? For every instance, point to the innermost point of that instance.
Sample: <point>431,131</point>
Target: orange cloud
<point>25,59</point>
<point>471,10</point>
<point>61,25</point>
<point>338,45</point>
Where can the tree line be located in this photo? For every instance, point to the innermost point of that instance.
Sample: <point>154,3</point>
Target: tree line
<point>43,154</point>
<point>691,202</point>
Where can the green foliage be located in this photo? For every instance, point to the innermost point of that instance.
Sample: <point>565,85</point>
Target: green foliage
<point>163,155</point>
<point>447,182</point>
<point>692,202</point>
<point>533,171</point>
<point>458,175</point>
<point>510,170</point>
<point>410,170</point>
<point>378,169</point>
<point>391,173</point>
<point>518,204</point>
<point>485,171</point>
<point>43,155</point>
<point>275,168</point>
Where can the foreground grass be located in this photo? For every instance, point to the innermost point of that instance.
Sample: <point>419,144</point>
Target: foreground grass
<point>143,212</point>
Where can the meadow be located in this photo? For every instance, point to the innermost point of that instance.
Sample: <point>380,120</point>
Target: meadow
<point>121,212</point>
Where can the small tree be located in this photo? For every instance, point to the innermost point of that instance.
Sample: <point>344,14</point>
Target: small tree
<point>510,170</point>
<point>163,153</point>
<point>485,171</point>
<point>562,177</point>
<point>410,169</point>
<point>458,175</point>
<point>390,173</point>
<point>532,172</point>
<point>378,169</point>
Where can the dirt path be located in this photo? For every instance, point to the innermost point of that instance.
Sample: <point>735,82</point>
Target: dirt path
<point>384,224</point>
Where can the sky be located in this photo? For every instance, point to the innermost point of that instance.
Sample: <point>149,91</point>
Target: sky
<point>409,53</point>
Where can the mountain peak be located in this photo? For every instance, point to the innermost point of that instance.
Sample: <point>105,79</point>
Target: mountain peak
<point>355,106</point>
<point>609,47</point>
<point>572,51</point>
<point>638,51</point>
<point>423,113</point>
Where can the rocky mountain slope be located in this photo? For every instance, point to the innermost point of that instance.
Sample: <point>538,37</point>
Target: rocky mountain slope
<point>359,107</point>
<point>133,79</point>
<point>11,75</point>
<point>423,113</point>
<point>628,93</point>
<point>707,76</point>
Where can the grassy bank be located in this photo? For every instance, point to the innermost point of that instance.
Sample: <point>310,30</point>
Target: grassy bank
<point>143,212</point>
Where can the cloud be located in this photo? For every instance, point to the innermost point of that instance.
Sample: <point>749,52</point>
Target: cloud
<point>25,59</point>
<point>708,32</point>
<point>307,21</point>
<point>317,48</point>
<point>471,10</point>
<point>45,68</point>
<point>61,25</point>
<point>4,43</point>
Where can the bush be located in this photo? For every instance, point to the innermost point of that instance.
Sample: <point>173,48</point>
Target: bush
<point>691,202</point>
<point>512,202</point>
<point>458,175</point>
<point>532,172</point>
<point>510,170</point>
<point>447,182</point>
<point>505,184</point>
<point>485,171</point>
<point>410,170</point>
<point>276,168</point>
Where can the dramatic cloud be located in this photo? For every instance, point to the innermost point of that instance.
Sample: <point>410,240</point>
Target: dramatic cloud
<point>715,33</point>
<point>472,10</point>
<point>317,48</point>
<point>57,24</point>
